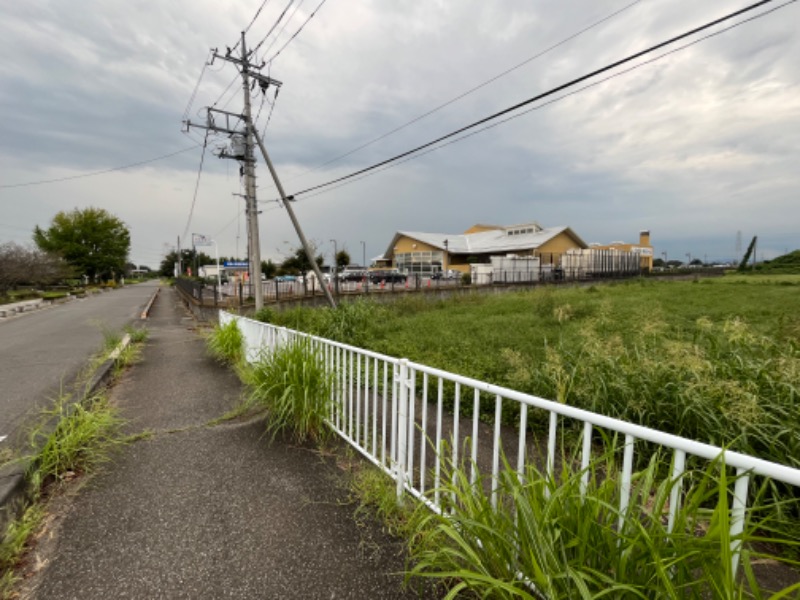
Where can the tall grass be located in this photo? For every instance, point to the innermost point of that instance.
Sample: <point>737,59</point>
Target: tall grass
<point>226,343</point>
<point>294,385</point>
<point>547,538</point>
<point>83,438</point>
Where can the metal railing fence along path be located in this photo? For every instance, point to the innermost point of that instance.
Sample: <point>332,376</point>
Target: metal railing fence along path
<point>406,419</point>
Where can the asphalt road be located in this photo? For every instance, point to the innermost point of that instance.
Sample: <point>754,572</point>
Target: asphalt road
<point>44,350</point>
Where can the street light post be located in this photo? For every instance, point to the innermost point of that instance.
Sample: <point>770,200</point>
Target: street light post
<point>364,254</point>
<point>689,257</point>
<point>446,257</point>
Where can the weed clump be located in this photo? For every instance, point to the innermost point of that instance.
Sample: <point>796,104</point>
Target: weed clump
<point>295,386</point>
<point>226,343</point>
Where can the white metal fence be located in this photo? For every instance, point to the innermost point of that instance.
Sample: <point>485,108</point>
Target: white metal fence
<point>393,411</point>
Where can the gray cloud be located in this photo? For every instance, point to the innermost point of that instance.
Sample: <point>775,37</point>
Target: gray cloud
<point>694,147</point>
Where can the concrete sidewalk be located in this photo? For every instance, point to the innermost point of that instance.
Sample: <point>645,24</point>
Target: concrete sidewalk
<point>199,511</point>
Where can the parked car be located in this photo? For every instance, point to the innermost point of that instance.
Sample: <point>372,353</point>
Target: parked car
<point>352,275</point>
<point>450,274</point>
<point>286,278</point>
<point>383,276</point>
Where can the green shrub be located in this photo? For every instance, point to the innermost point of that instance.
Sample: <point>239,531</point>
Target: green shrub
<point>85,434</point>
<point>226,343</point>
<point>545,539</point>
<point>295,387</point>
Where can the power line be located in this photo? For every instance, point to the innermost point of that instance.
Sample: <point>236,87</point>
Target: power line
<point>463,94</point>
<point>253,20</point>
<point>538,97</point>
<point>196,187</point>
<point>271,29</point>
<point>548,103</point>
<point>296,33</point>
<point>95,173</point>
<point>285,25</point>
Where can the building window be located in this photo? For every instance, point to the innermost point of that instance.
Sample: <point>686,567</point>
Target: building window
<point>418,263</point>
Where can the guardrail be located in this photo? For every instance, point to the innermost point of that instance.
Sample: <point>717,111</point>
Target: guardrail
<point>384,408</point>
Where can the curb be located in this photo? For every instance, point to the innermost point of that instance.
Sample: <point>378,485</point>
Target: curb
<point>14,492</point>
<point>149,305</point>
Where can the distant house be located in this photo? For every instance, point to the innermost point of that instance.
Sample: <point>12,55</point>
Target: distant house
<point>424,254</point>
<point>643,249</point>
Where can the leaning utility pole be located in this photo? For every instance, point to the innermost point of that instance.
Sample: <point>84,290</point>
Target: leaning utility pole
<point>248,160</point>
<point>286,200</point>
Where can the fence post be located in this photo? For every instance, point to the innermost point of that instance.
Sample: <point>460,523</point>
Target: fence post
<point>402,429</point>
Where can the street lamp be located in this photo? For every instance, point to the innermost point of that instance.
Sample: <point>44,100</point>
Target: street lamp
<point>446,257</point>
<point>364,254</point>
<point>689,257</point>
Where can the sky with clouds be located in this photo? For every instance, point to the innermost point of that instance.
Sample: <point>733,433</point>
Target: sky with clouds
<point>701,147</point>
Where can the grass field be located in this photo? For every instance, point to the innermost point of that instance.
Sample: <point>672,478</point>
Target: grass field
<point>716,360</point>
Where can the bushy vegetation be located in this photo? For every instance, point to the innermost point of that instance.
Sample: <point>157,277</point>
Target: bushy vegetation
<point>294,385</point>
<point>226,343</point>
<point>788,263</point>
<point>549,538</point>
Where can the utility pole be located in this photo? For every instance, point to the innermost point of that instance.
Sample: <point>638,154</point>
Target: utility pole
<point>250,186</point>
<point>248,161</point>
<point>286,203</point>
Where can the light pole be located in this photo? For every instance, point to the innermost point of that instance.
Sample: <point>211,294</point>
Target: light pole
<point>689,257</point>
<point>364,254</point>
<point>446,257</point>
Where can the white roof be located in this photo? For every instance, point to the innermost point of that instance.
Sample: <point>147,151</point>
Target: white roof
<point>493,241</point>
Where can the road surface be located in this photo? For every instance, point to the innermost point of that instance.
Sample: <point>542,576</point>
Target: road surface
<point>44,350</point>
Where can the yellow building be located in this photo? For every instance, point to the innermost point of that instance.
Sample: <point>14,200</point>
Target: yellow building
<point>427,253</point>
<point>643,249</point>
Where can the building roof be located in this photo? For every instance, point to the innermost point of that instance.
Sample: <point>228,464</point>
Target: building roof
<point>495,241</point>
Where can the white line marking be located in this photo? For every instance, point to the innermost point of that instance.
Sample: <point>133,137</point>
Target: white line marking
<point>2,437</point>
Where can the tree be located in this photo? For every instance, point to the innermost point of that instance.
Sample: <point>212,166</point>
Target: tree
<point>93,241</point>
<point>342,260</point>
<point>269,269</point>
<point>298,263</point>
<point>21,265</point>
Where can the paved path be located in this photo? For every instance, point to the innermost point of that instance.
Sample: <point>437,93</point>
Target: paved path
<point>200,511</point>
<point>42,350</point>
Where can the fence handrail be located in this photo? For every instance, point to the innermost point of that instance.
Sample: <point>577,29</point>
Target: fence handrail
<point>757,466</point>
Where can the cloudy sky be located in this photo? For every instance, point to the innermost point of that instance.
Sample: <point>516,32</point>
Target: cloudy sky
<point>700,147</point>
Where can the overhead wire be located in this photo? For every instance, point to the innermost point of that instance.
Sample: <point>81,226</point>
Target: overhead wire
<point>538,97</point>
<point>271,29</point>
<point>196,187</point>
<point>96,173</point>
<point>463,94</point>
<point>543,105</point>
<point>294,35</point>
<point>253,20</point>
<point>285,25</point>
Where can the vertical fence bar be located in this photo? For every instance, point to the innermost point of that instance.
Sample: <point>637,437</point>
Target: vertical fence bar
<point>366,403</point>
<point>350,394</point>
<point>375,408</point>
<point>393,432</point>
<point>498,413</point>
<point>357,435</point>
<point>474,456</point>
<point>412,409</point>
<point>678,465</point>
<point>438,464</point>
<point>456,411</point>
<point>625,481</point>
<point>551,444</point>
<point>423,438</point>
<point>402,428</point>
<point>523,430</point>
<point>384,400</point>
<point>586,454</point>
<point>738,508</point>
